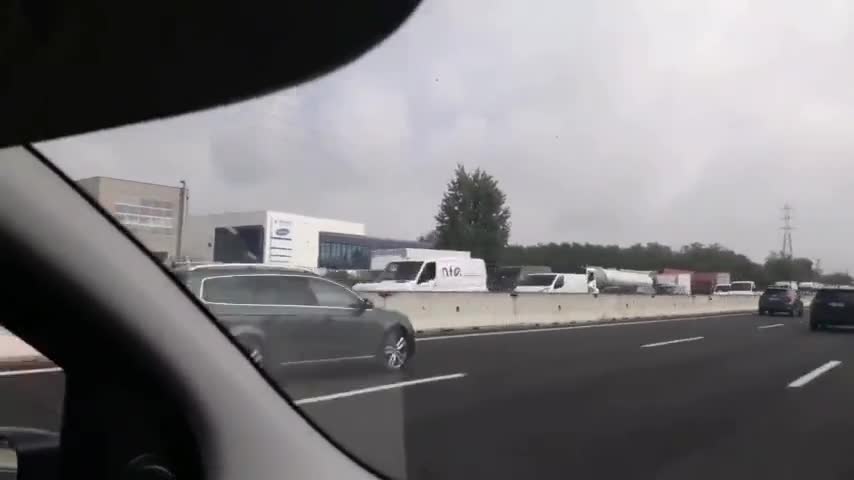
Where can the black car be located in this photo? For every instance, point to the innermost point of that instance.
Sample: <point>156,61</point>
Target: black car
<point>287,317</point>
<point>781,299</point>
<point>832,307</point>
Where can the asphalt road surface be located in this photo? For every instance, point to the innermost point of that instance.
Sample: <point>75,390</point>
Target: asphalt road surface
<point>727,397</point>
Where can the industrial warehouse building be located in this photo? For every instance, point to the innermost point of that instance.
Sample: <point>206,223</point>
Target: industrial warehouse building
<point>150,211</point>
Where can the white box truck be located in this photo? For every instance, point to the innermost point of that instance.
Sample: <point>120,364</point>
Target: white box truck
<point>430,275</point>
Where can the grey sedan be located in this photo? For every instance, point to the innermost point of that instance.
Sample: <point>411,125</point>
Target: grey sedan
<point>287,317</point>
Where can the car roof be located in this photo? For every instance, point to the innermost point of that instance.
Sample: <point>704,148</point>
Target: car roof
<point>837,288</point>
<point>243,267</point>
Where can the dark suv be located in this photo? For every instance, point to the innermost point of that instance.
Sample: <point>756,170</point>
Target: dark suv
<point>781,299</point>
<point>287,317</point>
<point>832,306</point>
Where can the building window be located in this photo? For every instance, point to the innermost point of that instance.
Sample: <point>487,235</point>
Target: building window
<point>151,215</point>
<point>344,256</point>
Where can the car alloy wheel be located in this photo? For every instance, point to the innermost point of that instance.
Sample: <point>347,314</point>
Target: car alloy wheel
<point>257,356</point>
<point>395,350</point>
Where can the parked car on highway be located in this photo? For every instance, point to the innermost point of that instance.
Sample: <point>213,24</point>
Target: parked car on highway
<point>284,316</point>
<point>781,299</point>
<point>832,306</point>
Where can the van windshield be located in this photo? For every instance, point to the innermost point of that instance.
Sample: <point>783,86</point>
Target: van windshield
<point>400,271</point>
<point>536,280</point>
<point>740,287</point>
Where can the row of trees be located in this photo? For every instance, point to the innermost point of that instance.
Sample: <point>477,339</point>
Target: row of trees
<point>473,216</point>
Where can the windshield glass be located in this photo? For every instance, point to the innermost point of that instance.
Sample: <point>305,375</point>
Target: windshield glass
<point>667,146</point>
<point>537,280</point>
<point>400,271</point>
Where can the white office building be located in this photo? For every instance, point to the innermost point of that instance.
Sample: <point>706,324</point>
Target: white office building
<point>282,238</point>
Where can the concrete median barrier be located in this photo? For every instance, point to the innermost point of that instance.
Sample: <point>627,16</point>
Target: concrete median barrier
<point>453,311</point>
<point>449,311</point>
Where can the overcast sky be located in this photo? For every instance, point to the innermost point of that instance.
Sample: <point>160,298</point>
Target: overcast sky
<point>603,121</point>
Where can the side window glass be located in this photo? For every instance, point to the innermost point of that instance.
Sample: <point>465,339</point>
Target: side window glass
<point>330,295</point>
<point>235,290</point>
<point>559,282</point>
<point>429,272</point>
<point>295,291</point>
<point>266,290</point>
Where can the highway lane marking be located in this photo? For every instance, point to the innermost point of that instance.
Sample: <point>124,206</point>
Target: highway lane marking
<point>327,360</point>
<point>800,382</point>
<point>574,327</point>
<point>378,388</point>
<point>775,325</point>
<point>32,371</point>
<point>671,342</point>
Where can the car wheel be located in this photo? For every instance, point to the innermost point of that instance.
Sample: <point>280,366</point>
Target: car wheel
<point>395,349</point>
<point>254,349</point>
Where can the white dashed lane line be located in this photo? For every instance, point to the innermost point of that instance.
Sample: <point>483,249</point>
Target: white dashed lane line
<point>378,388</point>
<point>775,325</point>
<point>800,382</point>
<point>671,342</point>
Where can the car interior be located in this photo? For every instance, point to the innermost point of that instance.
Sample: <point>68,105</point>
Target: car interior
<point>177,398</point>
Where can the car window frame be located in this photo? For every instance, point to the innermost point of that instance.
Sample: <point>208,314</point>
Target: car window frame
<point>309,277</point>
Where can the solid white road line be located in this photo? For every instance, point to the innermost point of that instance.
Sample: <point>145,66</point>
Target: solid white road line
<point>378,388</point>
<point>575,327</point>
<point>671,342</point>
<point>32,371</point>
<point>815,374</point>
<point>775,325</point>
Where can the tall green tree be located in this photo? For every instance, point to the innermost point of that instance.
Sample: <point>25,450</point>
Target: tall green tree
<point>473,216</point>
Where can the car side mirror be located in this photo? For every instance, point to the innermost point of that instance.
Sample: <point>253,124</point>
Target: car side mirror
<point>365,304</point>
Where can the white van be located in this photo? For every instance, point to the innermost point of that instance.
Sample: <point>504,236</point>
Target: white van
<point>743,287</point>
<point>439,275</point>
<point>553,283</point>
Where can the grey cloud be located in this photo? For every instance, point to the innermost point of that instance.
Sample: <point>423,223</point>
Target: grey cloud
<point>608,121</point>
